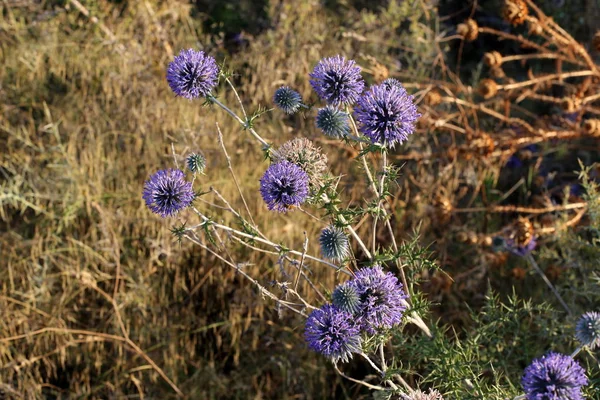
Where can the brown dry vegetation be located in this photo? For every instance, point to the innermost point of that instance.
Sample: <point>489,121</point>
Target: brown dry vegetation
<point>99,300</point>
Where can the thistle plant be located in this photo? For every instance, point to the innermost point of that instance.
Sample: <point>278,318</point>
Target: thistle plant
<point>377,300</point>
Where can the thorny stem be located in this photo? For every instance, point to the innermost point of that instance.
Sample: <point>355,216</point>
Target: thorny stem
<point>241,121</point>
<point>370,386</point>
<point>532,262</point>
<point>544,78</point>
<point>376,368</point>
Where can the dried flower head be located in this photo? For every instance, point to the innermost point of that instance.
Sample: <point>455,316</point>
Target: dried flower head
<point>333,333</point>
<point>596,41</point>
<point>587,330</point>
<point>387,114</point>
<point>432,394</point>
<point>382,299</point>
<point>488,88</point>
<point>469,30</point>
<point>192,74</point>
<point>334,243</point>
<point>284,185</point>
<point>346,298</point>
<point>306,155</point>
<point>492,59</point>
<point>337,80</point>
<point>515,11</point>
<point>432,98</point>
<point>196,163</point>
<point>592,126</point>
<point>287,99</point>
<point>333,122</point>
<point>554,376</point>
<point>167,192</point>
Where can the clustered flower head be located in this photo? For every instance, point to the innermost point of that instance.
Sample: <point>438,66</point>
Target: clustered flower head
<point>382,299</point>
<point>333,122</point>
<point>333,333</point>
<point>387,114</point>
<point>337,80</point>
<point>587,330</point>
<point>287,99</point>
<point>167,192</point>
<point>192,74</point>
<point>284,185</point>
<point>306,155</point>
<point>334,243</point>
<point>554,376</point>
<point>371,301</point>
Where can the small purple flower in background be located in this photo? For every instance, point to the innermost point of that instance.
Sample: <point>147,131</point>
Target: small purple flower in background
<point>333,333</point>
<point>333,122</point>
<point>192,74</point>
<point>167,192</point>
<point>284,185</point>
<point>523,250</point>
<point>287,99</point>
<point>337,80</point>
<point>382,299</point>
<point>587,330</point>
<point>387,114</point>
<point>554,376</point>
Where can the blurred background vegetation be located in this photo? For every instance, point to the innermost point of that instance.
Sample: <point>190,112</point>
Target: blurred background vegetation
<point>86,116</point>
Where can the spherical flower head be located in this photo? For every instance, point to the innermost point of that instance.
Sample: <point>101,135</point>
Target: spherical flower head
<point>431,395</point>
<point>387,114</point>
<point>334,243</point>
<point>167,192</point>
<point>333,122</point>
<point>391,82</point>
<point>346,298</point>
<point>196,163</point>
<point>554,376</point>
<point>587,330</point>
<point>192,74</point>
<point>284,185</point>
<point>382,299</point>
<point>306,155</point>
<point>287,99</point>
<point>333,333</point>
<point>337,80</point>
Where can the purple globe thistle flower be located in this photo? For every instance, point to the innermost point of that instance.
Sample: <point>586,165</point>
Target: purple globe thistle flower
<point>167,192</point>
<point>382,299</point>
<point>333,333</point>
<point>587,330</point>
<point>554,376</point>
<point>431,395</point>
<point>192,74</point>
<point>287,99</point>
<point>387,114</point>
<point>333,122</point>
<point>337,80</point>
<point>391,82</point>
<point>284,185</point>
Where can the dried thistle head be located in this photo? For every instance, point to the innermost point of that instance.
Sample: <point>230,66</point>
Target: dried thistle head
<point>535,28</point>
<point>596,41</point>
<point>469,30</point>
<point>307,156</point>
<point>488,88</point>
<point>570,104</point>
<point>492,59</point>
<point>443,209</point>
<point>515,11</point>
<point>432,98</point>
<point>523,233</point>
<point>592,126</point>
